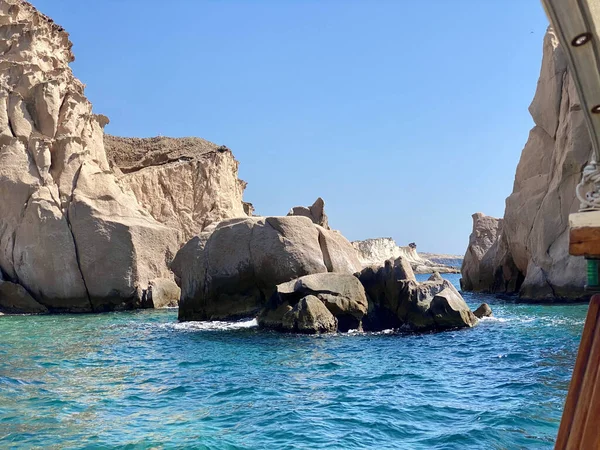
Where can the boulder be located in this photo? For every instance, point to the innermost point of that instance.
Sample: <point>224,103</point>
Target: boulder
<point>342,294</point>
<point>163,293</point>
<point>14,299</point>
<point>397,300</point>
<point>310,316</point>
<point>482,311</point>
<point>338,254</point>
<point>449,309</point>
<point>232,272</point>
<point>316,213</point>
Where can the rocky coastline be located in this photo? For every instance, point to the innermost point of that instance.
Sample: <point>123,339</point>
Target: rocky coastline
<point>526,253</point>
<point>91,222</point>
<point>297,276</point>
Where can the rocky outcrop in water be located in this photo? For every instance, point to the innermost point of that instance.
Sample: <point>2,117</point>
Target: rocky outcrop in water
<point>379,250</point>
<point>481,270</point>
<point>232,272</point>
<point>482,311</point>
<point>293,307</point>
<point>73,235</point>
<point>397,300</point>
<point>531,255</point>
<point>184,183</point>
<point>296,276</point>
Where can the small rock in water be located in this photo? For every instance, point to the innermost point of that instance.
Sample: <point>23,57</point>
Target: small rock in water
<point>484,310</point>
<point>310,316</point>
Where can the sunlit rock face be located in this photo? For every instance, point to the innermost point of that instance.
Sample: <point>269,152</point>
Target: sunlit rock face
<point>184,183</point>
<point>70,234</point>
<point>531,257</point>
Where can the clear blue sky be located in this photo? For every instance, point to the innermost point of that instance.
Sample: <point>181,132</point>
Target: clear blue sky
<point>406,117</point>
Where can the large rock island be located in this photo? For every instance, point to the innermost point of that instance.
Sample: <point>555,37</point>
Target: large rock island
<point>526,253</point>
<point>91,222</point>
<point>295,275</point>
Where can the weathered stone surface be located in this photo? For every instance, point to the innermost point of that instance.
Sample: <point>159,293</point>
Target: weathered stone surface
<point>309,316</point>
<point>121,248</point>
<point>379,250</point>
<point>397,300</point>
<point>69,233</point>
<point>338,253</point>
<point>185,183</point>
<point>316,213</point>
<point>483,310</point>
<point>480,262</point>
<point>188,266</point>
<point>531,256</point>
<point>236,269</point>
<point>449,310</point>
<point>14,299</point>
<point>163,293</point>
<point>342,294</point>
<point>383,286</point>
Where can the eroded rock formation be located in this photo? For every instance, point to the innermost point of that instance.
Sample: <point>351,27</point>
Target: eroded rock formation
<point>232,271</point>
<point>70,234</point>
<point>531,256</point>
<point>397,300</point>
<point>296,276</point>
<point>293,308</point>
<point>481,270</point>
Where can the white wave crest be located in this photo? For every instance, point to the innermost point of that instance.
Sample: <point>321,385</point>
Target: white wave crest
<point>215,325</point>
<point>494,319</point>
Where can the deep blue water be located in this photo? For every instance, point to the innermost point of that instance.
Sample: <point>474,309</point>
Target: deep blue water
<point>142,380</point>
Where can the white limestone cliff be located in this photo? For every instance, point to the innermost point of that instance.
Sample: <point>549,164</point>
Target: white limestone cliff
<point>184,183</point>
<point>531,257</point>
<point>75,233</point>
<point>378,250</point>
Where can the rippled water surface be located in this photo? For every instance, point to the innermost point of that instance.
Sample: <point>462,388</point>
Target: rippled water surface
<point>143,380</point>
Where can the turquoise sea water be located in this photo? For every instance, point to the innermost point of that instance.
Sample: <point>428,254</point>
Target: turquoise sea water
<point>142,380</point>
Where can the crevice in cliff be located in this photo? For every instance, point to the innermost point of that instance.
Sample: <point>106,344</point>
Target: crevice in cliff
<point>169,195</point>
<point>535,217</point>
<point>325,252</point>
<point>67,216</point>
<point>195,169</point>
<point>252,263</point>
<point>559,101</point>
<point>32,162</point>
<point>162,160</point>
<point>128,170</point>
<point>14,235</point>
<point>548,283</point>
<point>11,127</point>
